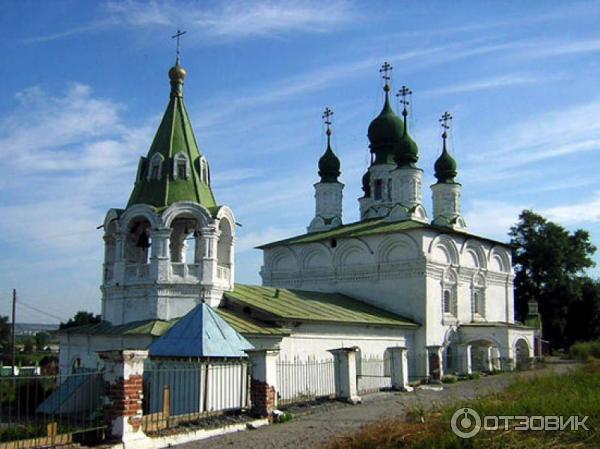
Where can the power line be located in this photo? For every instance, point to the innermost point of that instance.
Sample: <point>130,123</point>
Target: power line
<point>21,303</point>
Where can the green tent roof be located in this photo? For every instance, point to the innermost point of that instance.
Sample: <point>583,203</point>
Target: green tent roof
<point>174,136</point>
<point>297,305</point>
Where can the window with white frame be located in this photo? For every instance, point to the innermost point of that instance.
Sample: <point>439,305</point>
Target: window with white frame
<point>181,167</point>
<point>155,167</point>
<point>204,176</point>
<point>449,302</point>
<point>478,298</point>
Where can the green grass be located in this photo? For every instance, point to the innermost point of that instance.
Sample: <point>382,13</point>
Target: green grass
<point>576,393</point>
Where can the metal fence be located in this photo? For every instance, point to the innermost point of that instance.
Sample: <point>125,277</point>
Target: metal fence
<point>182,392</point>
<point>304,381</point>
<point>50,410</point>
<point>373,374</point>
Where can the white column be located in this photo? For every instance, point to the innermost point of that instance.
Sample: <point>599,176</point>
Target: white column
<point>464,352</point>
<point>159,256</point>
<point>210,295</point>
<point>263,389</point>
<point>345,374</point>
<point>399,368</point>
<point>119,265</point>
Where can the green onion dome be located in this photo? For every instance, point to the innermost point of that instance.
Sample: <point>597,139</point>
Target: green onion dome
<point>366,183</point>
<point>445,167</point>
<point>385,132</point>
<point>407,152</point>
<point>329,164</point>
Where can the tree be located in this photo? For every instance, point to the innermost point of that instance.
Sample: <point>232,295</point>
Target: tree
<point>549,265</point>
<point>5,337</point>
<point>41,340</point>
<point>80,319</point>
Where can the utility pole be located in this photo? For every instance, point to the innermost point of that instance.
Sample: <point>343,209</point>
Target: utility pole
<point>13,333</point>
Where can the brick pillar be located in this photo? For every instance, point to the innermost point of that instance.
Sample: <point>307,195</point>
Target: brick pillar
<point>346,387</point>
<point>263,384</point>
<point>123,374</point>
<point>399,368</point>
<point>436,370</point>
<point>464,352</point>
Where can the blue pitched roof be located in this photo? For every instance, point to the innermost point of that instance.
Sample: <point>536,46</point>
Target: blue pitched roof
<point>200,333</point>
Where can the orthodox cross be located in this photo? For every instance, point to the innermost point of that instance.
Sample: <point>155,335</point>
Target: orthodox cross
<point>386,69</point>
<point>177,36</point>
<point>404,92</point>
<point>445,121</point>
<point>327,114</point>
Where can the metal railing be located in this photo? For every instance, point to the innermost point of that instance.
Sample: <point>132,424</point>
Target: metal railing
<point>305,381</point>
<point>372,374</point>
<point>50,410</point>
<point>184,392</point>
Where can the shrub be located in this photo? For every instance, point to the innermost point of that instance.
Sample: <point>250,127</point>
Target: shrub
<point>584,350</point>
<point>449,379</point>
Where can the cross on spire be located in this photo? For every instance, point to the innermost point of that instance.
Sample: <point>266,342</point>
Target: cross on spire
<point>177,36</point>
<point>445,121</point>
<point>327,114</point>
<point>386,70</point>
<point>404,92</point>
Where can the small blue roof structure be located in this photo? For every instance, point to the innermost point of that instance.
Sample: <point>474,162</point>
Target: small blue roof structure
<point>200,333</point>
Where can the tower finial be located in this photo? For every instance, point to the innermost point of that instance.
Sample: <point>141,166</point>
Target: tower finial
<point>177,36</point>
<point>327,114</point>
<point>445,121</point>
<point>404,92</point>
<point>386,70</point>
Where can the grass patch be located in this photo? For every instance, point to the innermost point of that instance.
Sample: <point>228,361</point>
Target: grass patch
<point>576,393</point>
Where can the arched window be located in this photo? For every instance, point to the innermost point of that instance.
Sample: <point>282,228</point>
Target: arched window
<point>449,294</point>
<point>155,167</point>
<point>478,298</point>
<point>181,167</point>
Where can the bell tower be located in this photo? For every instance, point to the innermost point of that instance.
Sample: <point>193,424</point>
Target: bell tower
<point>172,247</point>
<point>328,191</point>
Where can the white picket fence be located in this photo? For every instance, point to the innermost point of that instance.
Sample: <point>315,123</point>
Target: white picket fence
<point>305,380</point>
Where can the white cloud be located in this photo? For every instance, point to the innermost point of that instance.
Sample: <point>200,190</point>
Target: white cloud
<point>587,211</point>
<point>492,218</point>
<point>250,240</point>
<point>221,21</point>
<point>490,83</point>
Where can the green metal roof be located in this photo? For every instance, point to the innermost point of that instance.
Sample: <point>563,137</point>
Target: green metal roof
<point>153,328</point>
<point>496,324</point>
<point>372,226</point>
<point>298,305</point>
<point>249,326</point>
<point>175,135</point>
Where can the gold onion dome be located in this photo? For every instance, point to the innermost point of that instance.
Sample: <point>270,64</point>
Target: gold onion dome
<point>177,72</point>
<point>177,75</point>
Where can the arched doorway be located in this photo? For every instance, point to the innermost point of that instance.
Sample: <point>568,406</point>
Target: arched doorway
<point>522,354</point>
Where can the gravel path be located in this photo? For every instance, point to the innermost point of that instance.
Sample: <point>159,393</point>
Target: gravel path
<point>322,422</point>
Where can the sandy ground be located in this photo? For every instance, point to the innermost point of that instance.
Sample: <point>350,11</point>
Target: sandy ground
<point>316,425</point>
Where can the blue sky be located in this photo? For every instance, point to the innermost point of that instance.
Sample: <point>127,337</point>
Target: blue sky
<point>84,85</point>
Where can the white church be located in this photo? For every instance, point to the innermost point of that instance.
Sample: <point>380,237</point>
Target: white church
<point>401,276</point>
